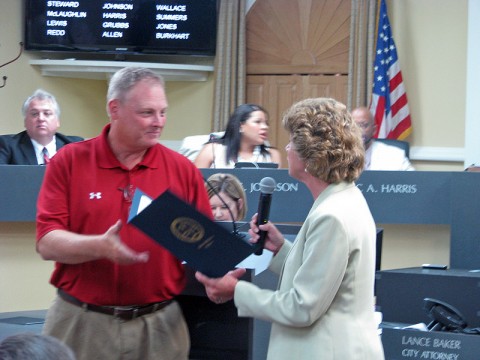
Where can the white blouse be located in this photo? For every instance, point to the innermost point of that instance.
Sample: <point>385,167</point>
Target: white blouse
<point>219,159</point>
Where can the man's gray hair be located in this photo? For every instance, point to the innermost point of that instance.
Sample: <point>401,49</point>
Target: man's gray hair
<point>41,95</point>
<point>125,79</point>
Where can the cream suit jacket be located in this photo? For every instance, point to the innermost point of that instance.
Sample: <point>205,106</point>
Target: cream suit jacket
<point>324,305</point>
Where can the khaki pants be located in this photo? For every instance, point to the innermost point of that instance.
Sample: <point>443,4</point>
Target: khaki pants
<point>162,335</point>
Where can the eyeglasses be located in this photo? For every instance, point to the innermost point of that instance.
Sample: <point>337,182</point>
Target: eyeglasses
<point>128,192</point>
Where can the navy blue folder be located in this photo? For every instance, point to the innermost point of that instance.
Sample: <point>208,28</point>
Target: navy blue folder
<point>188,234</point>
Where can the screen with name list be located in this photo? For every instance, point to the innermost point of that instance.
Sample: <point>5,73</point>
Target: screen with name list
<point>129,26</point>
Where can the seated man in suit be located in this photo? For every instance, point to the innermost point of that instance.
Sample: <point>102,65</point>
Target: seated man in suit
<point>40,141</point>
<point>378,156</point>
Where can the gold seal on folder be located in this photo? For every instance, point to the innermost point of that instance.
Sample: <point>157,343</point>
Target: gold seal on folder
<point>187,230</point>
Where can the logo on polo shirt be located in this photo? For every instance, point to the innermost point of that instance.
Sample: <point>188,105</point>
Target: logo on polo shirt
<point>95,195</point>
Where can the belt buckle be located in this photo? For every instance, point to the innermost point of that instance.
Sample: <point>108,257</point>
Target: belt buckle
<point>116,313</point>
<point>125,313</point>
<point>120,313</point>
<point>135,313</point>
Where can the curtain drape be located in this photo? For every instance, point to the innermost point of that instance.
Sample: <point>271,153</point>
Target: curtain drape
<point>230,62</point>
<point>361,52</point>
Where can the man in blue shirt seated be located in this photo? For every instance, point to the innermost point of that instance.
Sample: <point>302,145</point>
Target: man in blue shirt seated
<point>40,139</point>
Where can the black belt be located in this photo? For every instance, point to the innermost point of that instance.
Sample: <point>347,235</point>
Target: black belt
<point>121,312</point>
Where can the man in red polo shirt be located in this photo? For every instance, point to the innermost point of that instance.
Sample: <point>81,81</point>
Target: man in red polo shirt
<point>115,285</point>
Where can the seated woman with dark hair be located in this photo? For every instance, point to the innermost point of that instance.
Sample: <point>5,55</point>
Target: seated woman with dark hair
<point>244,141</point>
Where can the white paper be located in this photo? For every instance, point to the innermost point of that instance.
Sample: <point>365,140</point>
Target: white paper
<point>258,262</point>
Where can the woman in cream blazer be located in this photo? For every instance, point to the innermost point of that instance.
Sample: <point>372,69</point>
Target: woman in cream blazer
<point>324,305</point>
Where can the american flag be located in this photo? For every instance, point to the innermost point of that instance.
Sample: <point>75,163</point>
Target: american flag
<point>389,100</point>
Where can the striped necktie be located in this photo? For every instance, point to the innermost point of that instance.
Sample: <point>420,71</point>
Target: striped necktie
<point>46,158</point>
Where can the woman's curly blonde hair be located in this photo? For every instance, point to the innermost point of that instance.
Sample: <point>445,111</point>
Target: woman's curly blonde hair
<point>326,138</point>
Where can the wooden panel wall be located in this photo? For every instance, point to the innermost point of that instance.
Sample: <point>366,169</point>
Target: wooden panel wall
<point>298,37</point>
<point>296,49</point>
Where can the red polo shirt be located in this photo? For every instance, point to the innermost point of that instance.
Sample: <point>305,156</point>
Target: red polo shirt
<point>83,192</point>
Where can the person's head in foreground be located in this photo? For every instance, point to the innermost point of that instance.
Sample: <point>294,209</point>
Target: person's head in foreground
<point>325,142</point>
<point>30,346</point>
<point>227,197</point>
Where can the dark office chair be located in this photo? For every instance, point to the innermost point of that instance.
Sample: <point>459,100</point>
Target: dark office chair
<point>404,145</point>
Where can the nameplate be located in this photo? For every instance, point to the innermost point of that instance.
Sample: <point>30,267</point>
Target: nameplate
<point>402,344</point>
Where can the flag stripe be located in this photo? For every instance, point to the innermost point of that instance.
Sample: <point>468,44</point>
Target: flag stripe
<point>402,114</point>
<point>402,130</point>
<point>396,81</point>
<point>401,103</point>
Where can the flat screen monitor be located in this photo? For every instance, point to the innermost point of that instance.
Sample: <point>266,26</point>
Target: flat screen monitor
<point>185,27</point>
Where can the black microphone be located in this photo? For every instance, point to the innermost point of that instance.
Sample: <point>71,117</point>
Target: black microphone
<point>267,187</point>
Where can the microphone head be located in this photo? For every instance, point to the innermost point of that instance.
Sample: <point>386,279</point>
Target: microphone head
<point>267,185</point>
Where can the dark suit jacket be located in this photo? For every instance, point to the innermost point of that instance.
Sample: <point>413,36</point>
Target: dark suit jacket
<point>18,149</point>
